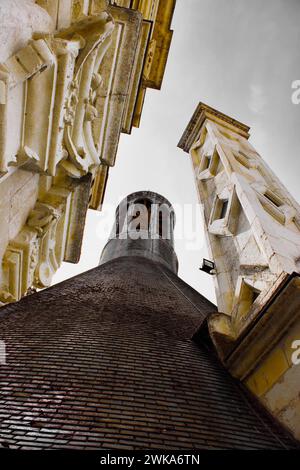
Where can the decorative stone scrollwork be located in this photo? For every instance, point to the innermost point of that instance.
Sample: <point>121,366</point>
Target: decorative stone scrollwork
<point>18,265</point>
<point>50,89</point>
<point>42,215</point>
<point>44,219</point>
<point>32,258</point>
<point>82,109</point>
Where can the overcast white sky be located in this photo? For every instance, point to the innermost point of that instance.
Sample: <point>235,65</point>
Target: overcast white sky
<point>238,56</point>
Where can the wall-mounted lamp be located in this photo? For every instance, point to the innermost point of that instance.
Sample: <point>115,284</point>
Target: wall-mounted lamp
<point>208,267</point>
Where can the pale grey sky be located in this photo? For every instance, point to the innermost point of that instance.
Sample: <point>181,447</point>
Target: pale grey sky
<point>238,56</point>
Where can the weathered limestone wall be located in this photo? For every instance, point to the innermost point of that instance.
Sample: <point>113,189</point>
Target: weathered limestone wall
<point>18,194</point>
<point>276,380</point>
<point>20,19</point>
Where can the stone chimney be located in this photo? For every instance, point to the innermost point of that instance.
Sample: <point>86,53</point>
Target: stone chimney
<point>144,227</point>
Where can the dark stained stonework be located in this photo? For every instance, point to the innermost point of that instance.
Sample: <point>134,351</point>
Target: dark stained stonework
<point>106,360</point>
<point>158,247</point>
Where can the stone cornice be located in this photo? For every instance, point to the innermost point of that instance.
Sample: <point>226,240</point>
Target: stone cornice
<point>202,113</point>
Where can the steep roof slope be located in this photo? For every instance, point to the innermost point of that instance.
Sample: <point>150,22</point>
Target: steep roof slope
<point>106,360</point>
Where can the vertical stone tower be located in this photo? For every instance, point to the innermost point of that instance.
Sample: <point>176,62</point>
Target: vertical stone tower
<point>144,227</point>
<point>119,356</point>
<point>252,226</point>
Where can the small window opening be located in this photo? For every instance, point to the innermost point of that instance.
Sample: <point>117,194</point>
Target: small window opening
<point>247,297</point>
<point>206,162</point>
<point>273,198</point>
<point>223,209</point>
<point>160,225</point>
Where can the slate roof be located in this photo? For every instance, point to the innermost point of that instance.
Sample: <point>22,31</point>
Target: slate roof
<point>106,360</point>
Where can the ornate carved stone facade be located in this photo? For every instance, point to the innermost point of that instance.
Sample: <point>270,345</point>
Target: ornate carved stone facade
<point>252,228</point>
<point>66,94</point>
